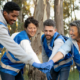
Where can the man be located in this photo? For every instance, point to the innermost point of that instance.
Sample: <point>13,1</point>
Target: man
<point>72,44</point>
<point>11,66</point>
<point>8,16</point>
<point>50,46</point>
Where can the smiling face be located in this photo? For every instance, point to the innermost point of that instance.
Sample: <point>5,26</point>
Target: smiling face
<point>73,32</point>
<point>49,32</point>
<point>31,29</point>
<point>11,17</point>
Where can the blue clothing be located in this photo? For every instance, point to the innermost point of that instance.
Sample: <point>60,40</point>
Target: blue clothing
<point>9,60</point>
<point>48,51</point>
<point>71,45</point>
<point>1,46</point>
<point>46,48</point>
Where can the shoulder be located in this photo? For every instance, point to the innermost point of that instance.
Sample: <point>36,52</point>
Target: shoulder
<point>14,34</point>
<point>58,40</point>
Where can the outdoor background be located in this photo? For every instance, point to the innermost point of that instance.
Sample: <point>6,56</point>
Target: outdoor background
<point>62,11</point>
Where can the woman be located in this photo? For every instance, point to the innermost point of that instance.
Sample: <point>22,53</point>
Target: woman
<point>11,66</point>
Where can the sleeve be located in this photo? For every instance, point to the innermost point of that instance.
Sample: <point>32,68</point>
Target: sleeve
<point>13,47</point>
<point>57,44</point>
<point>44,56</point>
<point>32,57</point>
<point>66,47</point>
<point>14,34</point>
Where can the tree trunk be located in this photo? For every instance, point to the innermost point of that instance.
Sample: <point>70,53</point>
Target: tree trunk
<point>41,13</point>
<point>58,9</point>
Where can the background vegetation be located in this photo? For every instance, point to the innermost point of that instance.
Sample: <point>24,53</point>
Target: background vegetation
<point>62,11</point>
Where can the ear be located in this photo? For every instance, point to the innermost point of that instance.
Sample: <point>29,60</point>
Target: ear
<point>55,29</point>
<point>24,28</point>
<point>5,13</point>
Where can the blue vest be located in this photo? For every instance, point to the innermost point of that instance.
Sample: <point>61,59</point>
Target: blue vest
<point>76,56</point>
<point>13,64</point>
<point>58,65</point>
<point>1,46</point>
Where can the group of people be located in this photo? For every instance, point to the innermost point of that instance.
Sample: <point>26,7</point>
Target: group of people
<point>57,53</point>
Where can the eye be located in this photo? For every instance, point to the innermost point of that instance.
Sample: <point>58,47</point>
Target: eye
<point>45,30</point>
<point>50,30</point>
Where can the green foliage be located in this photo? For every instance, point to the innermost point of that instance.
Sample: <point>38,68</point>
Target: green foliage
<point>26,75</point>
<point>16,28</point>
<point>74,75</point>
<point>2,52</point>
<point>69,6</point>
<point>26,8</point>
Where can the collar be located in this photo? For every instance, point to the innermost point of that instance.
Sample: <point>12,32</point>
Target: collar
<point>2,19</point>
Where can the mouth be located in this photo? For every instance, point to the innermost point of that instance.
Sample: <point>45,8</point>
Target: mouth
<point>12,21</point>
<point>32,34</point>
<point>72,36</point>
<point>48,36</point>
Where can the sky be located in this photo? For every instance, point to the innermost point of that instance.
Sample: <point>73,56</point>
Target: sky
<point>77,12</point>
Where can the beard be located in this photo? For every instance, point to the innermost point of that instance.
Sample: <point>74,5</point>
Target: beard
<point>48,37</point>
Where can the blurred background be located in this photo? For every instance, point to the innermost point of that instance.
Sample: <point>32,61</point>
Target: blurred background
<point>62,11</point>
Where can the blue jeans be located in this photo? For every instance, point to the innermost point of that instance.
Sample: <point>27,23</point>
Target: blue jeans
<point>6,76</point>
<point>61,75</point>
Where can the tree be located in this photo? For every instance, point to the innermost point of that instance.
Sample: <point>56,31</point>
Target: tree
<point>58,10</point>
<point>41,13</point>
<point>69,7</point>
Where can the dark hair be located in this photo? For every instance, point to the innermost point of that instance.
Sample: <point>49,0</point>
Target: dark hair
<point>49,22</point>
<point>77,24</point>
<point>10,6</point>
<point>30,20</point>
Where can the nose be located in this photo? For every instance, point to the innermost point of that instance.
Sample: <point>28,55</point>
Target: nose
<point>33,29</point>
<point>48,32</point>
<point>70,32</point>
<point>15,18</point>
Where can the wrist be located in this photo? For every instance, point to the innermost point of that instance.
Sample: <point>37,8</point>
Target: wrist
<point>51,61</point>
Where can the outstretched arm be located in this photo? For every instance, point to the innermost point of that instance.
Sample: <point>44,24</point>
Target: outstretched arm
<point>46,67</point>
<point>64,49</point>
<point>57,57</point>
<point>57,44</point>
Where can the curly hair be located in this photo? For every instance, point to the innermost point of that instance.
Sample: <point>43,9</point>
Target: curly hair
<point>10,6</point>
<point>30,20</point>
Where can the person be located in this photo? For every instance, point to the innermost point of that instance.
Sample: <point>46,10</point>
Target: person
<point>8,15</point>
<point>72,44</point>
<point>11,66</point>
<point>50,45</point>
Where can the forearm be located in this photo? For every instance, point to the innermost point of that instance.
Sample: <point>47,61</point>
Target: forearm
<point>57,44</point>
<point>31,55</point>
<point>57,57</point>
<point>64,49</point>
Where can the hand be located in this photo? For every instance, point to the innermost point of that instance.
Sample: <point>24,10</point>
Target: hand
<point>44,67</point>
<point>48,76</point>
